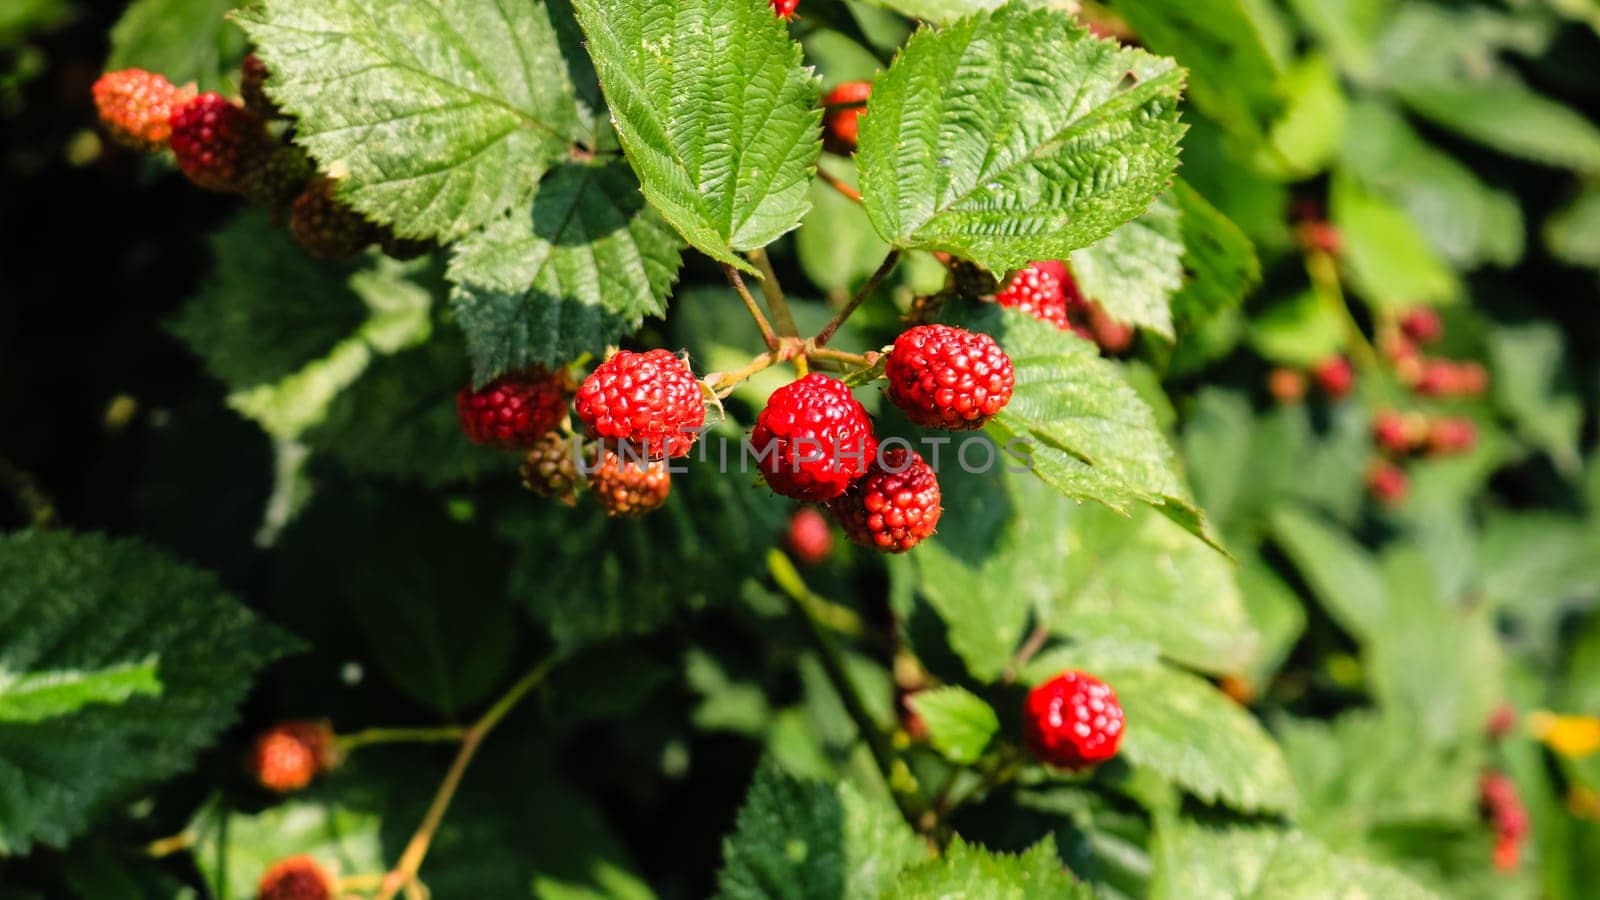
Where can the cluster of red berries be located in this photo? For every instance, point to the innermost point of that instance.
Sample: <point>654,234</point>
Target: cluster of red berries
<point>784,9</point>
<point>841,121</point>
<point>296,878</point>
<point>287,756</point>
<point>1073,721</point>
<point>1509,817</point>
<point>815,443</point>
<point>234,148</point>
<point>1048,292</point>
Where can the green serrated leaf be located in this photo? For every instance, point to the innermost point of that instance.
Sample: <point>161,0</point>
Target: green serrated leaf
<point>1219,263</point>
<point>1133,271</point>
<point>1184,729</point>
<point>1464,220</point>
<point>436,120</point>
<point>715,112</point>
<point>1390,263</point>
<point>1573,232</point>
<point>185,40</point>
<point>1528,361</point>
<point>1505,115</point>
<point>1306,137</point>
<point>800,839</point>
<point>1299,331</point>
<point>582,271</point>
<point>95,605</point>
<point>40,695</point>
<point>970,872</point>
<point>1232,76</point>
<point>1015,136</point>
<point>1083,427</point>
<point>960,724</point>
<point>943,12</point>
<point>1341,573</point>
<point>1205,862</point>
<point>630,577</point>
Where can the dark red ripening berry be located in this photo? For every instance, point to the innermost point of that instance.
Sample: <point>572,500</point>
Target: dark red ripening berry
<point>1398,433</point>
<point>946,377</point>
<point>1422,324</point>
<point>841,122</point>
<point>515,410</point>
<point>648,401</point>
<point>551,468</point>
<point>812,439</point>
<point>1335,376</point>
<point>288,755</point>
<point>1451,435</point>
<point>296,878</point>
<point>1387,483</point>
<point>252,87</point>
<point>1073,721</point>
<point>276,177</point>
<point>809,538</point>
<point>1438,378</point>
<point>1320,237</point>
<point>1286,386</point>
<point>216,142</point>
<point>629,488</point>
<point>1038,293</point>
<point>1113,337</point>
<point>326,227</point>
<point>894,506</point>
<point>784,8</point>
<point>136,107</point>
<point>1501,721</point>
<point>1472,379</point>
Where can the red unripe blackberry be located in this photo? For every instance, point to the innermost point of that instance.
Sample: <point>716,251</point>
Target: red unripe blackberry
<point>1422,324</point>
<point>1472,379</point>
<point>649,401</point>
<point>216,142</point>
<point>945,377</point>
<point>813,439</point>
<point>894,506</point>
<point>1501,721</point>
<point>1073,721</point>
<point>629,488</point>
<point>1451,435</point>
<point>326,227</point>
<point>136,107</point>
<point>1286,386</point>
<point>551,468</point>
<point>809,538</point>
<point>296,878</point>
<point>1387,483</point>
<point>1397,433</point>
<point>841,122</point>
<point>515,410</point>
<point>1320,237</point>
<point>1507,852</point>
<point>288,755</point>
<point>1113,337</point>
<point>1335,376</point>
<point>1038,293</point>
<point>784,8</point>
<point>1056,268</point>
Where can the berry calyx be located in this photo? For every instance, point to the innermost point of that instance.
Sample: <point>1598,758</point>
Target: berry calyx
<point>515,410</point>
<point>551,468</point>
<point>325,227</point>
<point>1422,324</point>
<point>296,878</point>
<point>945,377</point>
<point>288,755</point>
<point>812,439</point>
<point>1387,483</point>
<point>893,507</point>
<point>1335,376</point>
<point>1073,721</point>
<point>1038,293</point>
<point>784,8</point>
<point>809,538</point>
<point>629,488</point>
<point>649,401</point>
<point>841,122</point>
<point>216,142</point>
<point>136,107</point>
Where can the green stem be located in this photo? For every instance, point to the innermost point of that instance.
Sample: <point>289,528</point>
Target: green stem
<point>369,736</point>
<point>737,280</point>
<point>782,316</point>
<point>889,764</point>
<point>884,268</point>
<point>1324,274</point>
<point>405,871</point>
